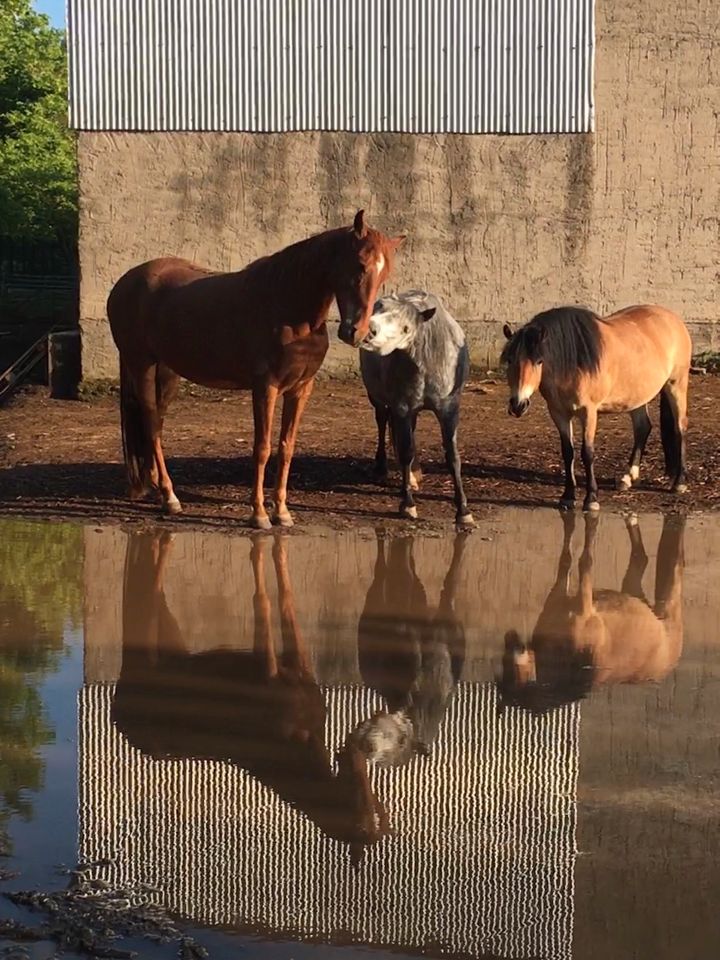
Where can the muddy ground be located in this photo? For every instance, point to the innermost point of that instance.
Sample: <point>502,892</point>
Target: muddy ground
<point>63,459</point>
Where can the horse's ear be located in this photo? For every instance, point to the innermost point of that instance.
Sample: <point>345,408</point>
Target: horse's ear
<point>396,242</point>
<point>427,314</point>
<point>507,330</point>
<point>359,224</point>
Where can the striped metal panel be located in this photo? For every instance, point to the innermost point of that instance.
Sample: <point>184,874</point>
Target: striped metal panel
<point>481,862</point>
<point>415,66</point>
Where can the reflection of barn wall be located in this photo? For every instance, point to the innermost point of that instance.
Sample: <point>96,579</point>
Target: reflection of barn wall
<point>482,861</point>
<point>507,572</point>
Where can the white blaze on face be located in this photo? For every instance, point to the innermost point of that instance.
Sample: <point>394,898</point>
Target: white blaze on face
<point>380,264</point>
<point>525,393</point>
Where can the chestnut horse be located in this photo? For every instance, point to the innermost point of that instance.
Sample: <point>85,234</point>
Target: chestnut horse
<point>600,637</point>
<point>262,329</point>
<point>260,709</point>
<point>583,365</point>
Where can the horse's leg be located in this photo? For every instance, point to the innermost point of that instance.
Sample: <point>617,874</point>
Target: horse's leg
<point>675,392</point>
<point>263,646</point>
<point>632,583</point>
<point>381,419</point>
<point>641,431</point>
<point>147,387</point>
<point>448,418</point>
<point>167,383</point>
<point>669,571</point>
<point>415,468</point>
<point>264,398</point>
<point>405,449</point>
<point>293,405</point>
<point>295,655</point>
<point>585,566</point>
<point>564,426</point>
<point>588,416</point>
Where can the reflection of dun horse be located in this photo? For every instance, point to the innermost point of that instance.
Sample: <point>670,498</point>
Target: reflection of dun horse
<point>410,653</point>
<point>261,329</point>
<point>600,637</point>
<point>260,709</point>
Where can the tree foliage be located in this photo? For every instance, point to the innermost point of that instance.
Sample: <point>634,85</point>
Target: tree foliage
<point>38,182</point>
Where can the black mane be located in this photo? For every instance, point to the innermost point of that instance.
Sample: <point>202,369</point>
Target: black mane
<point>566,339</point>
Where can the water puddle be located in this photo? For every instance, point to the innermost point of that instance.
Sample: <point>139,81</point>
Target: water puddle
<point>502,744</point>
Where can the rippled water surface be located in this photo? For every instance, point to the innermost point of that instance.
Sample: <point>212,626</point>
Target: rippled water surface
<point>502,744</point>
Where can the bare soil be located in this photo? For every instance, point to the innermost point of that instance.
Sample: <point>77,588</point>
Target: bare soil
<point>63,459</point>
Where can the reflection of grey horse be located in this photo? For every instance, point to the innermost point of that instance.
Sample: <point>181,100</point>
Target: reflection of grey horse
<point>415,358</point>
<point>411,654</point>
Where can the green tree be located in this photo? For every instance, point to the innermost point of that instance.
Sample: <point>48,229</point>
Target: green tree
<point>38,180</point>
<point>41,572</point>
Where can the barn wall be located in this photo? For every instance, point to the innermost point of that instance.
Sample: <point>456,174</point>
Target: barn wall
<point>500,226</point>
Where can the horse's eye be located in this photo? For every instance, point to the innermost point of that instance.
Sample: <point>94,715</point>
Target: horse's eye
<point>406,329</point>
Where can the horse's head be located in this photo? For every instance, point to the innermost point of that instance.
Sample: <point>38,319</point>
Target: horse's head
<point>365,819</point>
<point>364,262</point>
<point>394,324</point>
<point>523,355</point>
<point>387,739</point>
<point>544,675</point>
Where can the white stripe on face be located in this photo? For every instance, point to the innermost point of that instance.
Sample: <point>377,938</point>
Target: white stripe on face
<point>525,393</point>
<point>380,264</point>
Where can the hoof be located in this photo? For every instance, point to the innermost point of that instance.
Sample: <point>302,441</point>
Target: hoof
<point>591,507</point>
<point>465,520</point>
<point>408,513</point>
<point>260,523</point>
<point>566,504</point>
<point>624,483</point>
<point>631,519</point>
<point>172,506</point>
<point>283,519</point>
<point>680,488</point>
<point>415,481</point>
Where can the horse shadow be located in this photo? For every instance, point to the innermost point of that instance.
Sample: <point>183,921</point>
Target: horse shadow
<point>591,638</point>
<point>106,481</point>
<point>409,652</point>
<point>261,710</point>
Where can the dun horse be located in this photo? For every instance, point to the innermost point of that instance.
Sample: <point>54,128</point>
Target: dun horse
<point>415,358</point>
<point>411,653</point>
<point>600,637</point>
<point>262,329</point>
<point>261,709</point>
<point>583,365</point>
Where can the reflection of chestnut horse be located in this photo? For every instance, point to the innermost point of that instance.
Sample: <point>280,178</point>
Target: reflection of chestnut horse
<point>409,652</point>
<point>260,709</point>
<point>600,637</point>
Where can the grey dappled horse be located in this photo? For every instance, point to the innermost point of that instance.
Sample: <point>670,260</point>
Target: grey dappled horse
<point>415,358</point>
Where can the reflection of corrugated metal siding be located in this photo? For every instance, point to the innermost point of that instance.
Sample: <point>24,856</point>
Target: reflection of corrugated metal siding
<point>481,863</point>
<point>464,66</point>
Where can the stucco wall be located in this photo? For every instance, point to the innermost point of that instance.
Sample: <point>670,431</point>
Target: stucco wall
<point>500,226</point>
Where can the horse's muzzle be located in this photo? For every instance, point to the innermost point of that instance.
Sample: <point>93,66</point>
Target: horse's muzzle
<point>348,333</point>
<point>518,408</point>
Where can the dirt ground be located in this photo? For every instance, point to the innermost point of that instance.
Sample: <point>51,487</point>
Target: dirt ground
<point>63,459</point>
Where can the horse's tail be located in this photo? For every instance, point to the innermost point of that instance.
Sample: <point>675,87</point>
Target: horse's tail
<point>138,463</point>
<point>670,435</point>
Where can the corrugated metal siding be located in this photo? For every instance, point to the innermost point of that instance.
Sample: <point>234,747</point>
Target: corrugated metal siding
<point>481,861</point>
<point>417,66</point>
